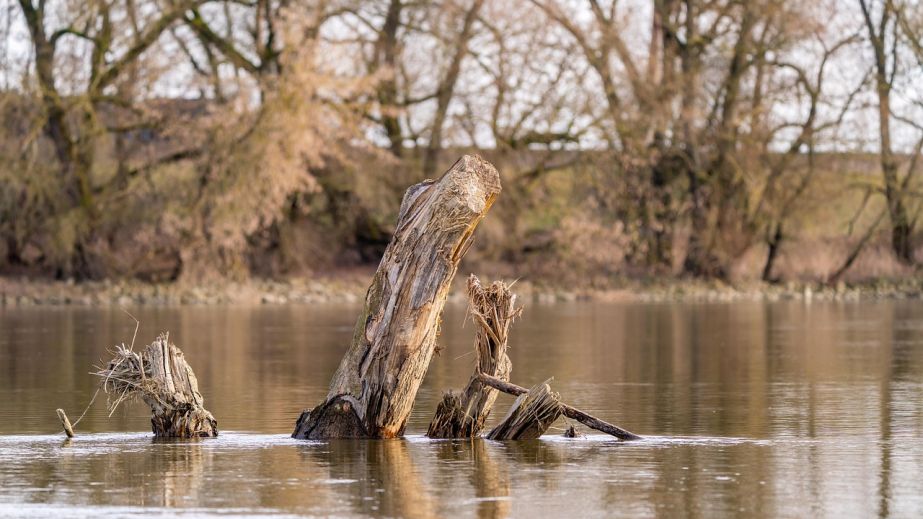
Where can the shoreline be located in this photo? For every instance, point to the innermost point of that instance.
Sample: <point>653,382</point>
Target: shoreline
<point>350,287</point>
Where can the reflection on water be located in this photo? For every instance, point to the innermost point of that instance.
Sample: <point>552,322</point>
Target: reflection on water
<point>766,410</point>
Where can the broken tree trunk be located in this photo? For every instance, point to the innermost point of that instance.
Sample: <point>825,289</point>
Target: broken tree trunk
<point>532,414</point>
<point>568,411</point>
<point>462,415</point>
<point>373,390</point>
<point>161,377</point>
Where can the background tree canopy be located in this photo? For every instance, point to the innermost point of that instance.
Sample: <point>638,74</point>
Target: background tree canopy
<point>195,139</point>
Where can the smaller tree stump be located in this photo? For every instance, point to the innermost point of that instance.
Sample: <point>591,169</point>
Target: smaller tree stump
<point>161,377</point>
<point>530,416</point>
<point>462,414</point>
<point>571,412</point>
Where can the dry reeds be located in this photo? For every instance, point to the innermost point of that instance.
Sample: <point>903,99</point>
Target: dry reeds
<point>124,377</point>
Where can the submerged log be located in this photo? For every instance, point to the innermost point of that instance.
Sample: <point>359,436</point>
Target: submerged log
<point>462,414</point>
<point>373,390</point>
<point>568,411</point>
<point>532,414</point>
<point>160,376</point>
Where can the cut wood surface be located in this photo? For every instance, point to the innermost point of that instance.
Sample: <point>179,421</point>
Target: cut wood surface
<point>161,377</point>
<point>568,411</point>
<point>373,390</point>
<point>531,415</point>
<point>462,414</point>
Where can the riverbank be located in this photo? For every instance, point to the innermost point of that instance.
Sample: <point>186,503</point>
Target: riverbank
<point>349,286</point>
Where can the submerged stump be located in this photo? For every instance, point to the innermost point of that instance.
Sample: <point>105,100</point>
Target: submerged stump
<point>462,414</point>
<point>160,376</point>
<point>568,411</point>
<point>373,390</point>
<point>530,416</point>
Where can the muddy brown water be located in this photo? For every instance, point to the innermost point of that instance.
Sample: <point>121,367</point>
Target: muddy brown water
<point>786,409</point>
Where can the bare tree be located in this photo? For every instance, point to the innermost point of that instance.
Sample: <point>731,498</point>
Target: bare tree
<point>446,85</point>
<point>882,26</point>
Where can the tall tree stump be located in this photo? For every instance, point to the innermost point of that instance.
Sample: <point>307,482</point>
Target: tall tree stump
<point>161,377</point>
<point>462,414</point>
<point>372,392</point>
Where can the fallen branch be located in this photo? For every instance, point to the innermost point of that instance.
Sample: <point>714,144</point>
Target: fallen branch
<point>568,411</point>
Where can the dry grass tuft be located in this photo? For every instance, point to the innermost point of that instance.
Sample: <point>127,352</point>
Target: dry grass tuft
<point>128,375</point>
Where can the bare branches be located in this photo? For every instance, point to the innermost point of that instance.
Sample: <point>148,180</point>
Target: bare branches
<point>152,32</point>
<point>224,45</point>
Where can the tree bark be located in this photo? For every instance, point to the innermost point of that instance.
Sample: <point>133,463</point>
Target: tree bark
<point>462,415</point>
<point>372,392</point>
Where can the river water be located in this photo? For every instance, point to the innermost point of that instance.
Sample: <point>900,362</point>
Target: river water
<point>786,409</point>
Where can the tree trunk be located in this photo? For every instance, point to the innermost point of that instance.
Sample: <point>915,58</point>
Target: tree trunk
<point>462,415</point>
<point>373,390</point>
<point>773,243</point>
<point>884,78</point>
<point>901,228</point>
<point>447,87</point>
<point>386,49</point>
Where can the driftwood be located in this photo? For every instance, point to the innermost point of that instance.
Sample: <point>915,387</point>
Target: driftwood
<point>161,377</point>
<point>372,392</point>
<point>462,414</point>
<point>531,415</point>
<point>568,411</point>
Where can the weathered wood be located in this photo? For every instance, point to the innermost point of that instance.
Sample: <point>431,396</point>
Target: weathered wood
<point>462,414</point>
<point>373,390</point>
<point>68,429</point>
<point>531,415</point>
<point>161,377</point>
<point>568,411</point>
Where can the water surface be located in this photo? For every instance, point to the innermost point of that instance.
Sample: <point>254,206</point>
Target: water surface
<point>750,409</point>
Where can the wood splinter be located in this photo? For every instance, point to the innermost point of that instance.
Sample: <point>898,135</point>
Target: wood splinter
<point>568,411</point>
